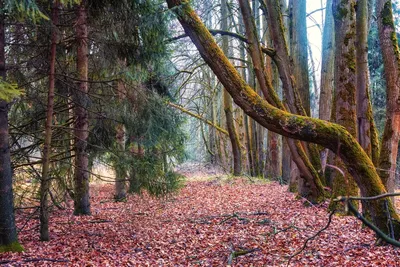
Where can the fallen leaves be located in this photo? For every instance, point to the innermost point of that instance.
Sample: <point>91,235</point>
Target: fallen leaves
<point>206,224</point>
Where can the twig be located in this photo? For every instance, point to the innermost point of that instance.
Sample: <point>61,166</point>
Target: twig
<point>7,261</point>
<point>46,259</point>
<point>341,198</point>
<point>312,237</point>
<point>100,221</point>
<point>234,254</point>
<point>234,215</point>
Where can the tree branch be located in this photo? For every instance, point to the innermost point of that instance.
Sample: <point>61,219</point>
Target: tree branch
<point>198,117</point>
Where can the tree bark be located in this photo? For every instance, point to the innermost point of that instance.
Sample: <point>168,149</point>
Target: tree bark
<point>8,232</point>
<point>366,134</point>
<point>45,181</point>
<point>230,126</point>
<point>121,175</point>
<point>391,63</point>
<point>327,73</point>
<point>345,87</point>
<point>81,100</point>
<point>307,129</point>
<point>299,50</point>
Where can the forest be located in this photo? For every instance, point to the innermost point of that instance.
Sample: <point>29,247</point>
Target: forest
<point>199,133</point>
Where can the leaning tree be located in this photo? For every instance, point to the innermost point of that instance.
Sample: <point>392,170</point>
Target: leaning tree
<point>271,116</point>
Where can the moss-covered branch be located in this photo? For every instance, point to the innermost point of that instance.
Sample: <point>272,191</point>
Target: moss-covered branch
<point>329,135</point>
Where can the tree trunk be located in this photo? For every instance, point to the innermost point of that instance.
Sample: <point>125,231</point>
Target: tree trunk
<point>81,100</point>
<point>307,129</point>
<point>306,157</point>
<point>299,50</point>
<point>327,74</point>
<point>45,181</point>
<point>121,175</point>
<point>366,134</point>
<point>8,232</point>
<point>230,126</point>
<point>391,63</point>
<point>345,88</point>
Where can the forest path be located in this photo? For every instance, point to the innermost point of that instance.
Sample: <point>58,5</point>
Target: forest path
<point>208,223</point>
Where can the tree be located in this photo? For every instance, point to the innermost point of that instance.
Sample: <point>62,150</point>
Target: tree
<point>45,184</point>
<point>327,72</point>
<point>8,233</point>
<point>391,61</point>
<point>345,85</point>
<point>230,126</point>
<point>307,129</point>
<point>81,127</point>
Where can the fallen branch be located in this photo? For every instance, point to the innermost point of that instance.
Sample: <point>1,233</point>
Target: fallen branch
<point>312,237</point>
<point>234,254</point>
<point>46,259</point>
<point>234,215</point>
<point>100,221</point>
<point>341,198</point>
<point>381,234</point>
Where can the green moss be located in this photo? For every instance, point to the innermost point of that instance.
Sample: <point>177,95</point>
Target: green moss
<point>387,15</point>
<point>13,247</point>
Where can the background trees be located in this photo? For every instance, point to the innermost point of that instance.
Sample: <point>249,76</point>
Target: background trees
<point>111,89</point>
<point>276,119</point>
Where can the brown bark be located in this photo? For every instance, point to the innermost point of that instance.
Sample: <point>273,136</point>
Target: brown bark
<point>327,76</point>
<point>307,129</point>
<point>45,181</point>
<point>281,58</point>
<point>121,175</point>
<point>299,50</point>
<point>327,65</point>
<point>8,231</point>
<point>233,136</point>
<point>345,87</point>
<point>366,134</point>
<point>81,127</point>
<point>391,60</point>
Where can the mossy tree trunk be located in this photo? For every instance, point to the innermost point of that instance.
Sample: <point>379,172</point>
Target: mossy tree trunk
<point>307,129</point>
<point>45,180</point>
<point>8,231</point>
<point>366,133</point>
<point>230,125</point>
<point>345,87</point>
<point>81,127</point>
<point>306,157</point>
<point>391,62</point>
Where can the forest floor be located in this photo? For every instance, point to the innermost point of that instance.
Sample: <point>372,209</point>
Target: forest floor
<point>210,222</point>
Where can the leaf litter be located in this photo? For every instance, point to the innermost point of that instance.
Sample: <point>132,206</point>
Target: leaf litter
<point>217,222</point>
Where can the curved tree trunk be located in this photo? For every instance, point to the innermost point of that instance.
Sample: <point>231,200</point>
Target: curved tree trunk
<point>307,129</point>
<point>81,201</point>
<point>8,231</point>
<point>391,60</point>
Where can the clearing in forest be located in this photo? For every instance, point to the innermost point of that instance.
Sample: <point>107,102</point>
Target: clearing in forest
<point>212,221</point>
